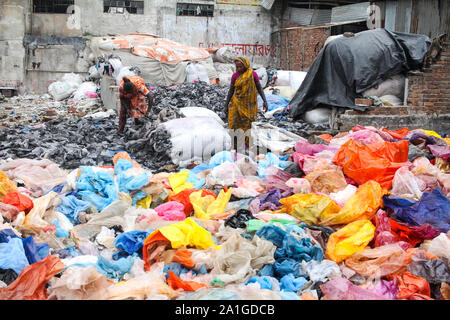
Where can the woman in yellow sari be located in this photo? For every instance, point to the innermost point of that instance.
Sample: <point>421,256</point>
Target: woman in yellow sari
<point>242,100</point>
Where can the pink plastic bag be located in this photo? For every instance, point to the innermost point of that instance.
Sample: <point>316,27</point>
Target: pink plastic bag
<point>172,210</point>
<point>406,184</point>
<point>342,289</point>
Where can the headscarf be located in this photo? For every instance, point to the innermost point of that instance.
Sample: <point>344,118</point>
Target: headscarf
<point>244,61</point>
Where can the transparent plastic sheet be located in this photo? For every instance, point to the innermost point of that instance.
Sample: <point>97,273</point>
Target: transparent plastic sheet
<point>327,181</point>
<point>320,270</point>
<point>252,291</point>
<point>79,283</point>
<point>39,176</point>
<point>349,240</point>
<point>240,259</point>
<point>378,262</point>
<point>342,289</point>
<point>439,246</point>
<point>31,282</point>
<point>407,185</point>
<point>225,174</point>
<point>210,294</point>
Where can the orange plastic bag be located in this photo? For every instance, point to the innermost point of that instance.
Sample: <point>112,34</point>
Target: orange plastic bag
<point>412,287</point>
<point>363,204</point>
<point>176,283</point>
<point>377,161</point>
<point>397,134</point>
<point>31,282</point>
<point>351,239</point>
<point>18,200</point>
<point>183,257</point>
<point>183,197</point>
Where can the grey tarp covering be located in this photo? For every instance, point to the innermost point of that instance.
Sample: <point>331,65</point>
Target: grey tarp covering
<point>346,67</point>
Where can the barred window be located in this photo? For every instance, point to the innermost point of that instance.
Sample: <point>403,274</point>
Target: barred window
<point>52,6</point>
<point>195,9</point>
<point>122,6</point>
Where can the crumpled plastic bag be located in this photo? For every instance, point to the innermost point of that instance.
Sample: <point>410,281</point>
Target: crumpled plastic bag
<point>440,151</point>
<point>364,204</point>
<point>304,147</point>
<point>131,242</point>
<point>341,197</point>
<point>412,287</point>
<point>377,161</point>
<point>39,176</point>
<point>390,231</point>
<point>8,212</point>
<point>35,218</point>
<point>384,288</point>
<point>349,240</point>
<point>342,289</point>
<point>6,185</point>
<point>225,174</point>
<point>432,208</point>
<point>239,219</point>
<point>327,181</point>
<point>71,206</point>
<point>19,200</point>
<point>12,255</point>
<point>185,233</point>
<point>239,259</point>
<point>299,185</point>
<point>378,262</point>
<point>290,283</point>
<point>439,246</point>
<point>320,270</point>
<point>426,172</point>
<point>433,271</point>
<point>80,284</point>
<point>31,282</point>
<point>178,181</point>
<point>309,208</point>
<point>172,210</point>
<point>247,188</point>
<point>406,184</point>
<point>270,159</point>
<point>205,206</point>
<point>276,179</point>
<point>97,187</point>
<point>183,198</point>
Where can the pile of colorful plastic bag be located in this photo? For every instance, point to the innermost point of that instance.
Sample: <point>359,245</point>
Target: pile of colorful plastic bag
<point>363,215</point>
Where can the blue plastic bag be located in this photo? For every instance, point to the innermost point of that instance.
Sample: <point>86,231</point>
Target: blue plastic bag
<point>71,206</point>
<point>115,269</point>
<point>33,251</point>
<point>432,208</point>
<point>219,158</point>
<point>264,282</point>
<point>274,101</point>
<point>131,242</point>
<point>271,159</point>
<point>97,188</point>
<point>291,283</point>
<point>12,255</point>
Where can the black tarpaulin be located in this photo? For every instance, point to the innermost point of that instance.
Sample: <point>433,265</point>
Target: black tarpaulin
<point>346,67</point>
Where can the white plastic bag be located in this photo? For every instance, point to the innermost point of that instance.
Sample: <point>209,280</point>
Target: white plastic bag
<point>196,138</point>
<point>284,91</point>
<point>273,138</point>
<point>225,174</point>
<point>318,115</point>
<point>283,78</point>
<point>189,112</point>
<point>124,72</point>
<point>394,85</point>
<point>406,184</point>
<point>224,55</point>
<point>60,90</point>
<point>84,89</point>
<point>73,79</point>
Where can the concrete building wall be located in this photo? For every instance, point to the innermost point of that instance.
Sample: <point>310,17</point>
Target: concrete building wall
<point>12,54</point>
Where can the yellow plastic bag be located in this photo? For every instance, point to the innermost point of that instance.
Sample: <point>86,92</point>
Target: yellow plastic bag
<point>6,185</point>
<point>205,206</point>
<point>144,203</point>
<point>364,204</point>
<point>352,238</point>
<point>178,182</point>
<point>187,233</point>
<point>309,208</point>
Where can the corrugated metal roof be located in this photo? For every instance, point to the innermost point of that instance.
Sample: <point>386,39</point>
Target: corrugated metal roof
<point>267,4</point>
<point>351,12</point>
<point>321,17</point>
<point>301,16</point>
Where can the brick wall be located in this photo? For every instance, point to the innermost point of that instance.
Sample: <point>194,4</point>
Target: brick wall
<point>300,46</point>
<point>431,88</point>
